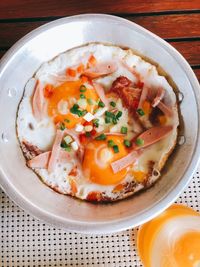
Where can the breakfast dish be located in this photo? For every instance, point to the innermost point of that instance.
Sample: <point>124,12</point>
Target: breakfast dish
<point>97,122</point>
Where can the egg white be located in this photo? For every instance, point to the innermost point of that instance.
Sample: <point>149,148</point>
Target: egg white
<point>42,134</point>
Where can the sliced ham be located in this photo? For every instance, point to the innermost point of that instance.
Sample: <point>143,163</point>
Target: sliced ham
<point>117,134</point>
<point>38,101</point>
<point>55,150</point>
<point>159,96</point>
<point>165,109</point>
<point>152,136</point>
<point>143,96</point>
<point>131,70</point>
<point>101,93</point>
<point>124,162</point>
<point>101,69</point>
<point>41,161</point>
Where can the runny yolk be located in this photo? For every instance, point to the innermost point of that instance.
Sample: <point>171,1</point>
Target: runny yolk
<point>98,158</point>
<point>69,92</point>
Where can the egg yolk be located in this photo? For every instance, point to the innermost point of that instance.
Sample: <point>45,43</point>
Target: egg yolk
<point>69,93</point>
<point>181,252</point>
<point>98,158</point>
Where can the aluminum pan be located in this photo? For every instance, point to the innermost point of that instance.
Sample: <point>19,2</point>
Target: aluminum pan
<point>23,186</point>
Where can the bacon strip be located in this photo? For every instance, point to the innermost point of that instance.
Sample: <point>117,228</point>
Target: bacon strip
<point>101,93</point>
<point>55,150</point>
<point>41,161</point>
<point>124,162</point>
<point>38,101</point>
<point>159,96</point>
<point>152,136</point>
<point>101,69</point>
<point>165,109</point>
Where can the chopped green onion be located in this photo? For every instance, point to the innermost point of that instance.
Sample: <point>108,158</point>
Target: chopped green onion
<point>88,134</point>
<point>90,101</point>
<point>75,110</point>
<point>139,142</point>
<point>82,96</point>
<point>101,104</point>
<point>107,120</point>
<point>101,137</point>
<point>62,126</point>
<point>82,88</point>
<point>96,122</point>
<point>114,120</point>
<point>127,143</point>
<point>66,120</point>
<point>140,112</point>
<point>116,148</point>
<point>119,114</point>
<point>113,104</point>
<point>109,114</point>
<point>111,143</point>
<point>66,146</point>
<point>124,130</point>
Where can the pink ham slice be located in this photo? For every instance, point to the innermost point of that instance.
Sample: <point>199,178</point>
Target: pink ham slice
<point>152,136</point>
<point>101,69</point>
<point>124,162</point>
<point>143,97</point>
<point>101,93</point>
<point>55,150</point>
<point>41,161</point>
<point>159,96</point>
<point>38,101</point>
<point>165,109</point>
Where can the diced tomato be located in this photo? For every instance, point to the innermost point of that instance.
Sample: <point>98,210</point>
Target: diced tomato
<point>82,138</point>
<point>48,90</point>
<point>94,196</point>
<point>71,72</point>
<point>84,79</point>
<point>80,68</point>
<point>86,123</point>
<point>135,104</point>
<point>92,60</point>
<point>93,132</point>
<point>140,84</point>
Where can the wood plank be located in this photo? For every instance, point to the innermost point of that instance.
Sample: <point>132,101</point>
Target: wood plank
<point>197,72</point>
<point>45,8</point>
<point>171,26</point>
<point>190,50</point>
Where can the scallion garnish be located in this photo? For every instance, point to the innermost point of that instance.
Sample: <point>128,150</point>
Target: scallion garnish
<point>111,143</point>
<point>62,126</point>
<point>107,119</point>
<point>101,137</point>
<point>124,130</point>
<point>139,142</point>
<point>82,96</point>
<point>113,104</point>
<point>96,123</point>
<point>127,143</point>
<point>82,88</point>
<point>116,148</point>
<point>140,112</point>
<point>119,114</point>
<point>101,104</point>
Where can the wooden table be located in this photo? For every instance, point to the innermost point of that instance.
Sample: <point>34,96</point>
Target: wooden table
<point>177,21</point>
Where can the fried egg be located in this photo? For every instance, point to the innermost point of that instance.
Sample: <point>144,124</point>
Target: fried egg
<point>98,127</point>
<point>171,239</point>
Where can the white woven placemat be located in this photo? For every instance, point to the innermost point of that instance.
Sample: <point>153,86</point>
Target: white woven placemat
<point>25,241</point>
